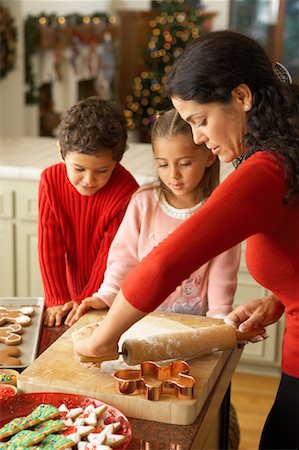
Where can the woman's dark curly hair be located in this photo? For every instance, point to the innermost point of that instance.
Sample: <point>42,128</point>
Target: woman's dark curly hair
<point>92,126</point>
<point>214,64</point>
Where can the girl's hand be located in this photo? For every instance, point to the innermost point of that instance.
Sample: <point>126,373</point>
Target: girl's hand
<point>259,312</point>
<point>87,304</point>
<point>54,314</point>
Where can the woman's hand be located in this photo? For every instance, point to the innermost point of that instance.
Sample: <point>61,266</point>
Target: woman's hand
<point>87,304</point>
<point>259,312</point>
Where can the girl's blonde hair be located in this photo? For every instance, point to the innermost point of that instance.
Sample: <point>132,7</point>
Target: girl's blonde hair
<point>171,124</point>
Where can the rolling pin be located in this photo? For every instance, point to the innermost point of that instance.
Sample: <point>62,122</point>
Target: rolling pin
<point>177,345</point>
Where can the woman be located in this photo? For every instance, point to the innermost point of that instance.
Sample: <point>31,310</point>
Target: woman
<point>224,86</point>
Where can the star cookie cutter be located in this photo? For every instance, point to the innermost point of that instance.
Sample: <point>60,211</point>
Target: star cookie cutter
<point>154,380</point>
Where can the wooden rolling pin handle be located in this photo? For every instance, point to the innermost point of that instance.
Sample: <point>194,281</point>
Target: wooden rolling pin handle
<point>249,334</point>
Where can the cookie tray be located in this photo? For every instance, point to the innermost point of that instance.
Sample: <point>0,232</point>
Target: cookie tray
<point>31,333</point>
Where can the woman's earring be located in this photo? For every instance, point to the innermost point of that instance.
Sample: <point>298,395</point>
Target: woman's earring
<point>246,107</point>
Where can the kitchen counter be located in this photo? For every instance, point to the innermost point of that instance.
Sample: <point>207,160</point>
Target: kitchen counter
<point>25,157</point>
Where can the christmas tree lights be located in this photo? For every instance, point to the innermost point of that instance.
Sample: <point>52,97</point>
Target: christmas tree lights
<point>176,24</point>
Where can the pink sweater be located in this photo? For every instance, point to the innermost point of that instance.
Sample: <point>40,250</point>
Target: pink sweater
<point>75,232</point>
<point>208,290</point>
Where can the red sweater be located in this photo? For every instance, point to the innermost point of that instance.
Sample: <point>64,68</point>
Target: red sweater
<point>247,205</point>
<point>75,232</point>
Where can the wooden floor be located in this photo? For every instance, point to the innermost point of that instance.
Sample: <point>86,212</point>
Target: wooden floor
<point>252,397</point>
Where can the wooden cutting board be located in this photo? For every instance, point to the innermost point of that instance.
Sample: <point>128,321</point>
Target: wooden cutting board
<point>56,370</point>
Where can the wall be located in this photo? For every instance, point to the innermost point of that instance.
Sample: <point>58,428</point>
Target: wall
<point>12,122</point>
<point>17,119</point>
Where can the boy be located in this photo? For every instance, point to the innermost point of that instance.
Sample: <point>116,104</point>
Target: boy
<point>82,201</point>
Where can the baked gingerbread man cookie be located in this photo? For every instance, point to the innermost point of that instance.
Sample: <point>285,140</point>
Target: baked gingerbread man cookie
<point>9,356</point>
<point>10,334</point>
<point>21,316</point>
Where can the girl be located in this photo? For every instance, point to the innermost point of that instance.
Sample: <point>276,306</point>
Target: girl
<point>188,174</point>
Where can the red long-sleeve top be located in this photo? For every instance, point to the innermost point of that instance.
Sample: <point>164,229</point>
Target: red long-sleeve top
<point>75,232</point>
<point>247,205</point>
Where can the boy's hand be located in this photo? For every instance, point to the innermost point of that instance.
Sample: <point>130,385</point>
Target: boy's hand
<point>54,314</point>
<point>87,304</point>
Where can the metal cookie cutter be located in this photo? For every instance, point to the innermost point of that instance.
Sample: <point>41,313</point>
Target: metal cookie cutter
<point>154,380</point>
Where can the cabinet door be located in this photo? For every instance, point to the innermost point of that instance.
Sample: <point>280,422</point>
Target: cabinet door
<point>266,352</point>
<point>28,273</point>
<point>7,248</point>
<point>29,282</point>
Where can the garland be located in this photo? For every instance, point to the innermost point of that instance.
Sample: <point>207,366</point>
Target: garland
<point>8,42</point>
<point>33,25</point>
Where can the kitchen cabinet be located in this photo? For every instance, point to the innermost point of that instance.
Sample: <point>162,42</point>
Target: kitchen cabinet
<point>19,275</point>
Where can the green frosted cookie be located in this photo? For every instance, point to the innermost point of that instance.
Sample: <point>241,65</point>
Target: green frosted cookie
<point>12,427</point>
<point>42,413</point>
<point>56,442</point>
<point>26,438</point>
<point>8,446</point>
<point>50,426</point>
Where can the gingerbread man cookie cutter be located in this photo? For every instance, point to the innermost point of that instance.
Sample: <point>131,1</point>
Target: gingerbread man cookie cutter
<point>154,380</point>
<point>10,334</point>
<point>21,316</point>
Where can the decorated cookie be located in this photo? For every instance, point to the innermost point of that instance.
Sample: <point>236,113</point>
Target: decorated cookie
<point>92,446</point>
<point>21,316</point>
<point>114,440</point>
<point>8,446</point>
<point>9,356</point>
<point>42,413</point>
<point>50,426</point>
<point>14,426</point>
<point>56,442</point>
<point>67,415</point>
<point>105,429</point>
<point>26,438</point>
<point>10,334</point>
<point>106,437</point>
<point>90,415</point>
<point>77,432</point>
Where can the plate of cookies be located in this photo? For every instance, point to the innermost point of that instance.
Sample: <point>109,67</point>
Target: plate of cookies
<point>20,327</point>
<point>57,421</point>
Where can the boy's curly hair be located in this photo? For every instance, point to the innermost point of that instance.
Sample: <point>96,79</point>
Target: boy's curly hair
<point>92,126</point>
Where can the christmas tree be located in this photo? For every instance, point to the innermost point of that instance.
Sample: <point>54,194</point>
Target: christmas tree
<point>176,24</point>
